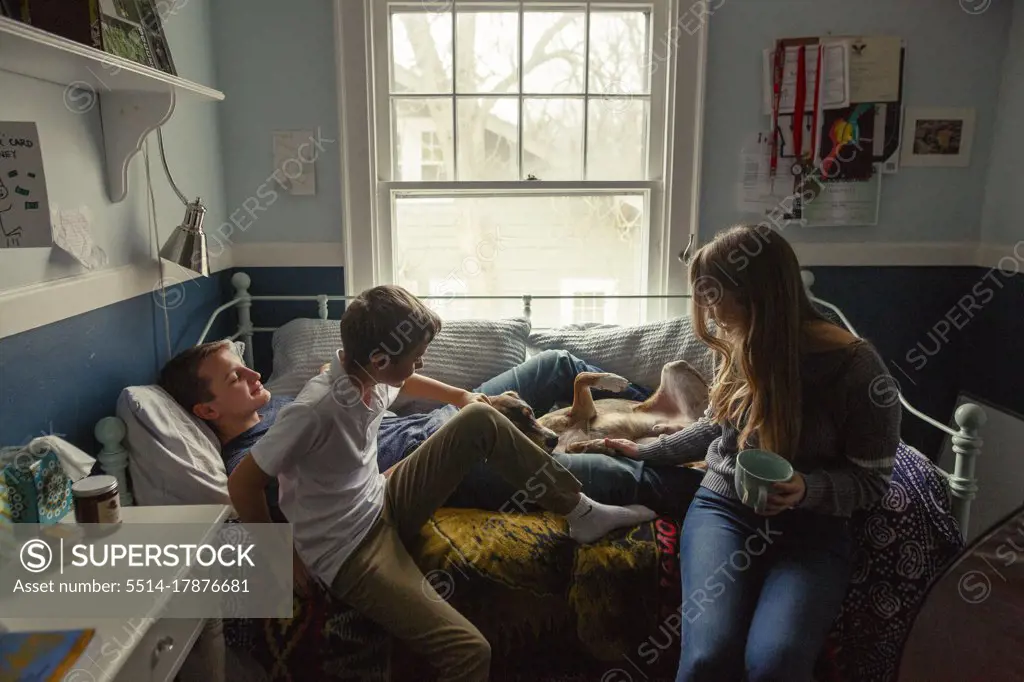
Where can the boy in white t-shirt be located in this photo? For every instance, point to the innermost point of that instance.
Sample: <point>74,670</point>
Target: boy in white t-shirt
<point>351,522</point>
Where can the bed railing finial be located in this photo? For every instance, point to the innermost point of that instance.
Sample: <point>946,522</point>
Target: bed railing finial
<point>967,444</point>
<point>241,281</point>
<point>113,457</point>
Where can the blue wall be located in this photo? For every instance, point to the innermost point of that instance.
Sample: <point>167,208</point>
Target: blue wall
<point>952,60</point>
<point>66,376</point>
<point>1003,214</point>
<point>275,61</point>
<point>935,347</point>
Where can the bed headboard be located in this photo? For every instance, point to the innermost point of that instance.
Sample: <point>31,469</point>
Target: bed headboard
<point>966,437</point>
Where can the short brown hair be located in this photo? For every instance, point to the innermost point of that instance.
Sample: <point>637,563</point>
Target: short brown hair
<point>180,376</point>
<point>386,319</point>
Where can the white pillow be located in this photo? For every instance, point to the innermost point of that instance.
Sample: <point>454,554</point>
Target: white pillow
<point>173,457</point>
<point>637,352</point>
<point>465,354</point>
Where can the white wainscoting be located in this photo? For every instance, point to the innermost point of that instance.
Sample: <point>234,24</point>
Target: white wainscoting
<point>33,306</point>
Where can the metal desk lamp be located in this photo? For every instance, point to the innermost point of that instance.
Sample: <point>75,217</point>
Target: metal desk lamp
<point>187,244</point>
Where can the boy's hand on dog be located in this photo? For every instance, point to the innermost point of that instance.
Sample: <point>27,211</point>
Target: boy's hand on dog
<point>621,446</point>
<point>467,398</point>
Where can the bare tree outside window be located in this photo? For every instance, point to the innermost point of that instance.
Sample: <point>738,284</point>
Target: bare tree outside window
<point>510,96</point>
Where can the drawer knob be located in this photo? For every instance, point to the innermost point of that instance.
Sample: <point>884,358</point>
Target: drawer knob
<point>163,644</point>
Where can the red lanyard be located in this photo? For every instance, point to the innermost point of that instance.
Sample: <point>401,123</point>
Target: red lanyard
<point>777,74</point>
<point>799,103</point>
<point>819,79</point>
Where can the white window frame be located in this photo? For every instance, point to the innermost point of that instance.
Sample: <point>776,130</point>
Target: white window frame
<point>679,46</point>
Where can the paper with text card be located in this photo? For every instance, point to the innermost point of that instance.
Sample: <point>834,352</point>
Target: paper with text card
<point>24,208</point>
<point>757,191</point>
<point>835,90</point>
<point>845,203</point>
<point>875,68</point>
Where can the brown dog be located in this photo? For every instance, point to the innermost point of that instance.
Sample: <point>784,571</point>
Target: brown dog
<point>680,400</point>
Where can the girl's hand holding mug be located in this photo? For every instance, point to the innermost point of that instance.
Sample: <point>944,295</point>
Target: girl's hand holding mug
<point>787,495</point>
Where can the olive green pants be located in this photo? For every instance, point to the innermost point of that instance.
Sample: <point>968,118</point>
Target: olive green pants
<point>381,580</point>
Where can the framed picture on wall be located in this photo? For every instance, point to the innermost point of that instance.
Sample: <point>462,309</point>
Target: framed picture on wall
<point>937,138</point>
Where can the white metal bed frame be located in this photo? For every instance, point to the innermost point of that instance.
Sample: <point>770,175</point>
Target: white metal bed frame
<point>966,439</point>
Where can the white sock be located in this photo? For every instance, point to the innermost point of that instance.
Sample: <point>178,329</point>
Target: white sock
<point>591,520</point>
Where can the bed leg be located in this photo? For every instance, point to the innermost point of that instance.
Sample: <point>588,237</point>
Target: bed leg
<point>967,446</point>
<point>241,282</point>
<point>113,457</point>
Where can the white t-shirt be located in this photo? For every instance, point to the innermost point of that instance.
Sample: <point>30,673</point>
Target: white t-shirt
<point>323,451</point>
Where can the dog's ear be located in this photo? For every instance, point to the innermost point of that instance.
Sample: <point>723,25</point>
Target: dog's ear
<point>512,394</point>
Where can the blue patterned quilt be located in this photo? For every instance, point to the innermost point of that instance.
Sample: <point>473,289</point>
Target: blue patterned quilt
<point>903,544</point>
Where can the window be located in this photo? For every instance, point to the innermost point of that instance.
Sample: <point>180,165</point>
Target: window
<point>431,157</point>
<point>589,302</point>
<point>517,145</point>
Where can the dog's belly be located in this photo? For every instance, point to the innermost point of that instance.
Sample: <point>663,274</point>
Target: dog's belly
<point>629,425</point>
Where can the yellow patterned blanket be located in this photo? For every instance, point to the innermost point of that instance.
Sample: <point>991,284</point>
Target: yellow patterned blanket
<point>535,593</point>
<point>551,609</point>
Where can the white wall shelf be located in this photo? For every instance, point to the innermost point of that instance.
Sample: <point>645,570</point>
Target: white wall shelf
<point>134,100</point>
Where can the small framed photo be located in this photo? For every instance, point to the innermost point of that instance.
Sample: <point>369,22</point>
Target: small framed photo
<point>937,137</point>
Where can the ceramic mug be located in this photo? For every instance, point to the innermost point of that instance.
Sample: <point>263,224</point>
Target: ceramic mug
<point>756,473</point>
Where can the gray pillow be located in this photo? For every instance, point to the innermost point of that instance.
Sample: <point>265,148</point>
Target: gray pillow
<point>637,352</point>
<point>465,354</point>
<point>300,348</point>
<point>469,352</point>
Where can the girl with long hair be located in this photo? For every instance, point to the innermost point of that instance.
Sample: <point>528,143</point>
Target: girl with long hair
<point>761,591</point>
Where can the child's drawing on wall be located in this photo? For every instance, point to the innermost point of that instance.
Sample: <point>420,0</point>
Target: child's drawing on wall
<point>12,237</point>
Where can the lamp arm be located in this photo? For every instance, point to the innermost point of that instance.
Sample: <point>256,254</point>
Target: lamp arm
<point>167,171</point>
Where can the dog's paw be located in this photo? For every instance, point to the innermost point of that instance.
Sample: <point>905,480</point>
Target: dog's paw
<point>597,446</point>
<point>666,429</point>
<point>612,382</point>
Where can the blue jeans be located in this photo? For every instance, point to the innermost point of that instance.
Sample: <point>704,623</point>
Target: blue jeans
<point>760,593</point>
<point>544,381</point>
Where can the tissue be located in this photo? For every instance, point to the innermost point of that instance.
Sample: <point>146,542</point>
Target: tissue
<point>76,463</point>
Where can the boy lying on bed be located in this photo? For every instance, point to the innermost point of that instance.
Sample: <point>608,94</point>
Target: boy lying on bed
<point>351,523</point>
<point>211,382</point>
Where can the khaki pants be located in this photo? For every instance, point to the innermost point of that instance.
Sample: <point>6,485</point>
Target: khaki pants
<point>381,580</point>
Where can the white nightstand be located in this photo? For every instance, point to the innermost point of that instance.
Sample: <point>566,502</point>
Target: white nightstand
<point>141,648</point>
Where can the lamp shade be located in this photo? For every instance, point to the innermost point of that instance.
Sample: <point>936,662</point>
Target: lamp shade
<point>187,244</point>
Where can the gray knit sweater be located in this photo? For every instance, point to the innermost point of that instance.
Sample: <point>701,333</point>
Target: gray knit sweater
<point>849,434</point>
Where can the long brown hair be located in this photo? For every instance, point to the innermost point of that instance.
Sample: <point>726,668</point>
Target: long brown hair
<point>757,385</point>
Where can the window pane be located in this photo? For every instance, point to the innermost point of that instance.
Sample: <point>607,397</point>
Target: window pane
<point>421,52</point>
<point>619,53</point>
<point>488,138</point>
<point>617,138</point>
<point>553,52</point>
<point>423,139</point>
<point>488,52</point>
<point>553,138</point>
<point>507,246</point>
